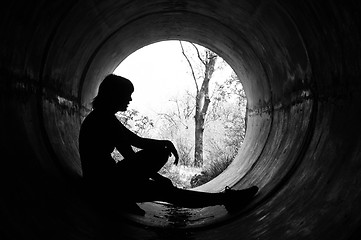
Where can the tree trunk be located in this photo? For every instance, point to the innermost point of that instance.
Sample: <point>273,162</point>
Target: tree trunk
<point>198,148</point>
<point>202,99</point>
<point>202,103</point>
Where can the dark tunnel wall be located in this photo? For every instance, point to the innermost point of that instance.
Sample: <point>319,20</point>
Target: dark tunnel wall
<point>299,62</point>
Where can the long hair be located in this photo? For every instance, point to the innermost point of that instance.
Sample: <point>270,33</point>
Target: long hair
<point>111,85</point>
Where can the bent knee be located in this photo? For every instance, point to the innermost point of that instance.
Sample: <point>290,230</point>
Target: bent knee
<point>157,153</point>
<point>155,157</point>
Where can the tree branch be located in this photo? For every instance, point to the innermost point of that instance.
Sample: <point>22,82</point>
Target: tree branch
<point>168,117</point>
<point>199,55</point>
<point>190,65</point>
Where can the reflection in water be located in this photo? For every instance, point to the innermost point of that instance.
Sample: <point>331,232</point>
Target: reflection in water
<point>178,219</point>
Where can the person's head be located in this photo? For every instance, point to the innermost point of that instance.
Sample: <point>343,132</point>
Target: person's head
<point>114,93</point>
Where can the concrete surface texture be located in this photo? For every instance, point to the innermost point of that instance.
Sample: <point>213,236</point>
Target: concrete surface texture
<point>299,62</point>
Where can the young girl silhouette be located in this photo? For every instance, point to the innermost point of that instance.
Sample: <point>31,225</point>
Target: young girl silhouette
<point>135,178</point>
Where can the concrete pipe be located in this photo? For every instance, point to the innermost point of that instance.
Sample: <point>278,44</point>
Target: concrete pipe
<point>299,62</point>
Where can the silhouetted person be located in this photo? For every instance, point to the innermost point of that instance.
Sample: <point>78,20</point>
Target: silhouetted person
<point>135,178</point>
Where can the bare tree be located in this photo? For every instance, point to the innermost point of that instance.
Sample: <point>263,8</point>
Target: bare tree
<point>207,61</point>
<point>207,110</point>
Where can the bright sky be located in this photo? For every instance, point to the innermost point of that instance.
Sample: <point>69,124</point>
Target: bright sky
<point>159,72</point>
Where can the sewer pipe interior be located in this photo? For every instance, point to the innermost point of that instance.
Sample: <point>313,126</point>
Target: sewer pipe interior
<point>299,63</point>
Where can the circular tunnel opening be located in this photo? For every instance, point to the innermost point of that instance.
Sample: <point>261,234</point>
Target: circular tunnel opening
<point>168,76</point>
<point>162,211</point>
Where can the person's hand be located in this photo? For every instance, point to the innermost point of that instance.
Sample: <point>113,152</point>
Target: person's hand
<point>169,145</point>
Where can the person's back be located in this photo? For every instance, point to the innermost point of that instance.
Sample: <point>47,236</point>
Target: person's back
<point>95,147</point>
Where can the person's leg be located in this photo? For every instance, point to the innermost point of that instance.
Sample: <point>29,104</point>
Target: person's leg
<point>136,174</point>
<point>145,165</point>
<point>232,199</point>
<point>154,191</point>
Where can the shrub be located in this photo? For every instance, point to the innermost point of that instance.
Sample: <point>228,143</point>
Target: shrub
<point>213,170</point>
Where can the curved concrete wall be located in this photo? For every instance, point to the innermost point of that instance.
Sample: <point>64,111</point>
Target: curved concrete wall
<point>299,62</point>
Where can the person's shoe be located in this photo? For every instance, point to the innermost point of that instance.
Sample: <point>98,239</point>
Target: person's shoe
<point>236,200</point>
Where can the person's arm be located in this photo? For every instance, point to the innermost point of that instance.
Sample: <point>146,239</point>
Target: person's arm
<point>148,143</point>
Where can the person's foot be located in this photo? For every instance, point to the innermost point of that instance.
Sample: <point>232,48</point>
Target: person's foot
<point>236,200</point>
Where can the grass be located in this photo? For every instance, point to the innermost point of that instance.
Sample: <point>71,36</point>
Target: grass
<point>211,171</point>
